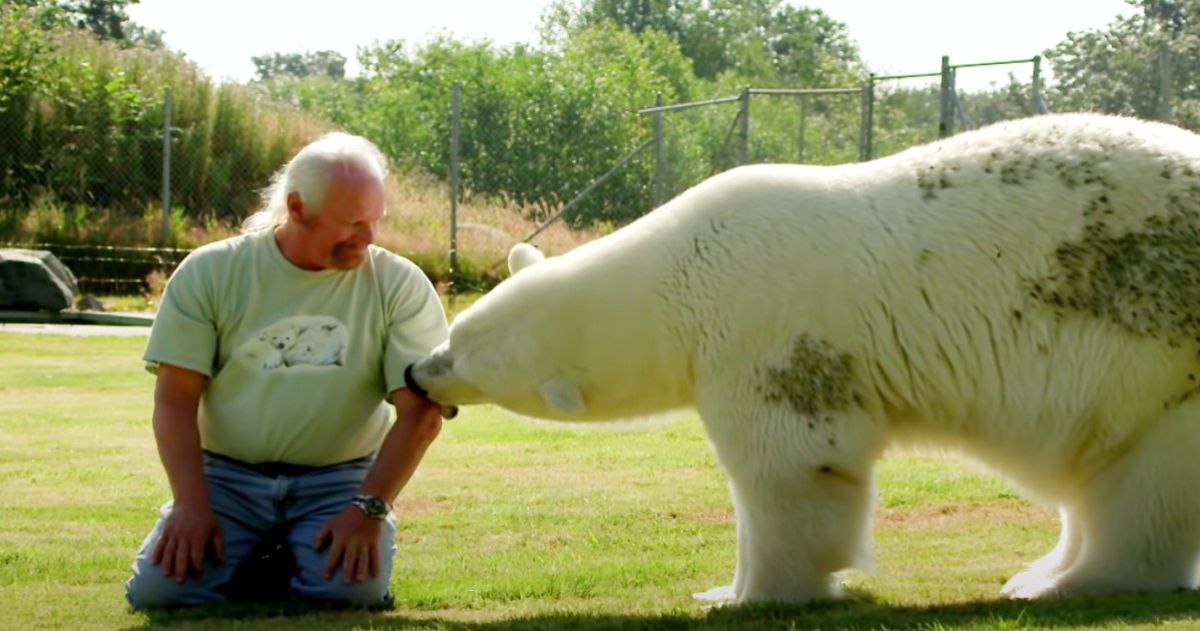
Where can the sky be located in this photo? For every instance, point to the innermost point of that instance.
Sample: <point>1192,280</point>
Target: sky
<point>894,36</point>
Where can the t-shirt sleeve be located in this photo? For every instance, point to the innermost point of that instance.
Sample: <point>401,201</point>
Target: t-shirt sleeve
<point>185,331</point>
<point>417,323</point>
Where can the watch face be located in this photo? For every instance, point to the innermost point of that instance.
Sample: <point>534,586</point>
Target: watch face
<point>372,506</point>
<point>377,506</point>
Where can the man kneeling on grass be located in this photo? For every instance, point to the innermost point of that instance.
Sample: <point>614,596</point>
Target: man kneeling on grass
<point>275,353</point>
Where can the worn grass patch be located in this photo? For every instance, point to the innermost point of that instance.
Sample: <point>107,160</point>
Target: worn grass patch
<point>507,525</point>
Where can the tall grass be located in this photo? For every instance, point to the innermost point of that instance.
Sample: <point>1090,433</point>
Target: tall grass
<point>86,128</point>
<point>418,227</point>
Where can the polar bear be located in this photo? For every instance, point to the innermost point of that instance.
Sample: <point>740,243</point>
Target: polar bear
<point>296,340</point>
<point>272,342</point>
<point>320,344</point>
<point>1028,294</point>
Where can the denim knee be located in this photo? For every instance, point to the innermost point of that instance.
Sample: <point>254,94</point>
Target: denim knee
<point>372,592</point>
<point>151,590</point>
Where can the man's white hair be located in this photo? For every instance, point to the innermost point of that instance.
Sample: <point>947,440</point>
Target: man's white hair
<point>309,173</point>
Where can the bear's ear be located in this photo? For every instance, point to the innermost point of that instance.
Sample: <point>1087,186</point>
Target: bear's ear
<point>562,396</point>
<point>523,255</point>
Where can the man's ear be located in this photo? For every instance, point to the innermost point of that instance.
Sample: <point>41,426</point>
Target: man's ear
<point>295,207</point>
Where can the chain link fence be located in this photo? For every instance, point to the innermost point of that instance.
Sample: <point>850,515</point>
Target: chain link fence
<point>182,165</point>
<point>696,140</point>
<point>67,173</point>
<point>113,190</point>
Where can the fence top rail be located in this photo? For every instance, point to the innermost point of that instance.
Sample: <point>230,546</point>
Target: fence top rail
<point>103,248</point>
<point>684,106</point>
<point>890,77</point>
<point>996,63</point>
<point>731,99</point>
<point>802,91</point>
<point>955,67</point>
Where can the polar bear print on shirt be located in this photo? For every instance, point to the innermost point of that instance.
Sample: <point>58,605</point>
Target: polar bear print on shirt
<point>318,345</point>
<point>276,340</point>
<point>299,341</point>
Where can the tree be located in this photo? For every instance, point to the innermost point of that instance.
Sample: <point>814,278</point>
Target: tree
<point>754,38</point>
<point>1134,66</point>
<point>637,16</point>
<point>106,18</point>
<point>320,63</point>
<point>808,46</point>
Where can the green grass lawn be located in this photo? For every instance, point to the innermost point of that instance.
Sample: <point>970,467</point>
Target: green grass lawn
<point>508,524</point>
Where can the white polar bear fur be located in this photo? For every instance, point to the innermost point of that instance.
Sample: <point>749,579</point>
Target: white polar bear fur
<point>523,255</point>
<point>970,294</point>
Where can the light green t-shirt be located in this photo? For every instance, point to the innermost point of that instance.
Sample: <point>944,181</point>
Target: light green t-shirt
<point>301,362</point>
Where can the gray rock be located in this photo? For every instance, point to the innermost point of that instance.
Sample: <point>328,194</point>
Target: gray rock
<point>89,302</point>
<point>35,280</point>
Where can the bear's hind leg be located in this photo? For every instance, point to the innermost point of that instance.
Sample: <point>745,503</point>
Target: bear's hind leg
<point>802,492</point>
<point>1140,516</point>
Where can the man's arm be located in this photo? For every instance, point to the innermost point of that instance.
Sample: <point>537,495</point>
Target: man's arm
<point>352,534</point>
<point>418,423</point>
<point>191,524</point>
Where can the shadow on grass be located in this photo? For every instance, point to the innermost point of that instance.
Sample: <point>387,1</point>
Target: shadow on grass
<point>858,612</point>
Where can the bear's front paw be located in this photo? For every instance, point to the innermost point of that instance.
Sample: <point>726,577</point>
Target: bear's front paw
<point>716,594</point>
<point>1032,584</point>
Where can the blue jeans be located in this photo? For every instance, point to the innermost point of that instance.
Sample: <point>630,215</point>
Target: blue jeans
<point>249,507</point>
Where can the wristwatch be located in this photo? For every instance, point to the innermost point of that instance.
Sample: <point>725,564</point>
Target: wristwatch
<point>371,506</point>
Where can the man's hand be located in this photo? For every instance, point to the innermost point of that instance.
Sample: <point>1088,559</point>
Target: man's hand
<point>352,537</point>
<point>186,535</point>
<point>353,540</point>
<point>191,525</point>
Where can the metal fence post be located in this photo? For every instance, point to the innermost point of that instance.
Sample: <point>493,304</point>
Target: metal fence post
<point>455,97</point>
<point>659,160</point>
<point>166,168</point>
<point>946,115</point>
<point>1038,107</point>
<point>803,127</point>
<point>1164,83</point>
<point>743,150</point>
<point>868,122</point>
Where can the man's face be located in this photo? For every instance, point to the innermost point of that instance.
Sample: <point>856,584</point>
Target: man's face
<point>336,233</point>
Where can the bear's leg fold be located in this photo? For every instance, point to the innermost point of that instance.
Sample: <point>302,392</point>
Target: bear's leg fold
<point>1139,517</point>
<point>802,493</point>
<point>1041,574</point>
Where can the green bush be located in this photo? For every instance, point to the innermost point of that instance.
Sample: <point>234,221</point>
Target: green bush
<point>537,126</point>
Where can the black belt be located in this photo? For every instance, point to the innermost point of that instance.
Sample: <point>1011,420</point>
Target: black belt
<point>285,469</point>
